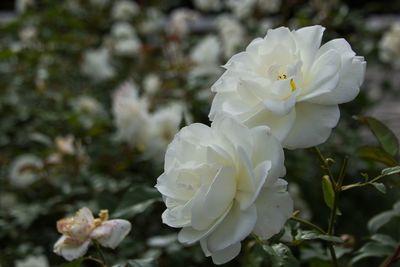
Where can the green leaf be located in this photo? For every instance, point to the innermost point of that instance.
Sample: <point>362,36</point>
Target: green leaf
<point>138,263</point>
<point>376,154</point>
<point>328,191</point>
<point>380,187</point>
<point>373,249</point>
<point>74,263</point>
<point>136,200</point>
<point>384,239</point>
<point>381,219</point>
<point>390,171</point>
<point>386,138</point>
<point>280,255</point>
<point>312,235</point>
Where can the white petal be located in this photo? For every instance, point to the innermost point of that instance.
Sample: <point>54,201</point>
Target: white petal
<point>308,40</point>
<point>313,125</point>
<point>212,205</point>
<point>280,125</point>
<point>236,226</point>
<point>274,207</point>
<point>227,254</point>
<point>268,147</point>
<point>351,77</point>
<point>111,233</point>
<point>70,251</point>
<point>323,77</point>
<point>188,235</point>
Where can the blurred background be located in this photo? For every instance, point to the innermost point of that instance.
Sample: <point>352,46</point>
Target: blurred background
<point>92,92</point>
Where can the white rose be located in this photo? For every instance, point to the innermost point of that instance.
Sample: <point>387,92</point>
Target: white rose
<point>79,231</point>
<point>205,56</point>
<point>97,64</point>
<point>33,261</point>
<point>24,170</point>
<point>221,183</point>
<point>290,83</point>
<point>389,46</point>
<point>125,42</point>
<point>131,115</point>
<point>231,33</point>
<point>164,124</point>
<point>124,10</point>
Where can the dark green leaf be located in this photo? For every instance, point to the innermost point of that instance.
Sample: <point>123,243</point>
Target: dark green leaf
<point>136,200</point>
<point>390,171</point>
<point>380,187</point>
<point>381,219</point>
<point>376,154</point>
<point>386,138</point>
<point>384,239</point>
<point>328,191</point>
<point>74,263</point>
<point>373,249</point>
<point>311,235</point>
<point>138,263</point>
<point>280,256</point>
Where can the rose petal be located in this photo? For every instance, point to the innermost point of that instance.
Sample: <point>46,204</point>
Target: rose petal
<point>312,126</point>
<point>111,233</point>
<point>68,250</point>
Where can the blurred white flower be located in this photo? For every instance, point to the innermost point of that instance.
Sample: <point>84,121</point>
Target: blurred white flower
<point>24,170</point>
<point>389,46</point>
<point>205,56</point>
<point>290,83</point>
<point>221,183</point>
<point>180,20</point>
<point>131,115</point>
<point>79,231</point>
<point>33,261</point>
<point>65,144</point>
<point>124,10</point>
<point>151,83</point>
<point>87,104</point>
<point>124,38</point>
<point>96,64</point>
<point>231,33</point>
<point>164,125</point>
<point>208,5</point>
<point>241,8</point>
<point>27,34</point>
<point>89,110</point>
<point>22,5</point>
<point>269,6</point>
<point>154,21</point>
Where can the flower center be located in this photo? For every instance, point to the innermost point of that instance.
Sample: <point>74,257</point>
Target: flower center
<point>103,216</point>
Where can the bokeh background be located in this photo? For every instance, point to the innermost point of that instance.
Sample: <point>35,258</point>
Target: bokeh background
<point>92,92</point>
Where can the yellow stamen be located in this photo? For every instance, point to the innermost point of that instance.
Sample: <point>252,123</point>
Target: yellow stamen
<point>103,216</point>
<point>293,85</point>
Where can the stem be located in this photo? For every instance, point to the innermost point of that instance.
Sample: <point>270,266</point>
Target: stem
<point>100,253</point>
<point>391,259</point>
<point>325,164</point>
<point>309,224</point>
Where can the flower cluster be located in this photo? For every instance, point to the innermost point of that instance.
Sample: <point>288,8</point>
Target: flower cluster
<point>221,183</point>
<point>80,230</point>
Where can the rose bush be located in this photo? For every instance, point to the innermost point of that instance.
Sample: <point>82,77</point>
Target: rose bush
<point>221,183</point>
<point>290,83</point>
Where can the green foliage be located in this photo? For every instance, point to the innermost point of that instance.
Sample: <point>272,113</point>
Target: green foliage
<point>386,138</point>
